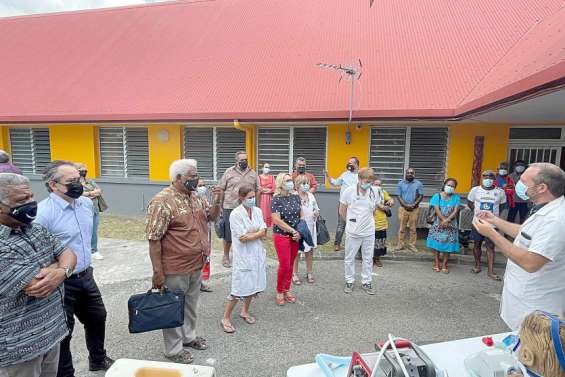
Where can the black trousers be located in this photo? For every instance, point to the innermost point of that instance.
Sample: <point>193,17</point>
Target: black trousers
<point>518,209</point>
<point>83,300</point>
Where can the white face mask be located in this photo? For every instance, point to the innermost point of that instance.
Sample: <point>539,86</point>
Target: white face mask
<point>503,172</point>
<point>266,170</point>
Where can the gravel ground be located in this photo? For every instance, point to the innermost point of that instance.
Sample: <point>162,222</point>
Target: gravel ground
<point>412,301</point>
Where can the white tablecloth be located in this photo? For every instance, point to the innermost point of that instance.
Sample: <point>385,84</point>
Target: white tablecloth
<point>448,356</point>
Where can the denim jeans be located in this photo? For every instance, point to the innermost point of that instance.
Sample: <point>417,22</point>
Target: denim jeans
<point>94,240</point>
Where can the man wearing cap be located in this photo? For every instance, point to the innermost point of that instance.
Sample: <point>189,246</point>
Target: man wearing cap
<point>536,259</point>
<point>485,198</point>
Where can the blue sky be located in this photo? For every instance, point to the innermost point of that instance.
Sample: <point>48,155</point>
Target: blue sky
<point>23,7</point>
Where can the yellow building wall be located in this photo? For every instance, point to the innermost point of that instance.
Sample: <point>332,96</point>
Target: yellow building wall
<point>461,145</point>
<point>165,146</point>
<point>77,143</point>
<point>4,139</point>
<point>249,130</point>
<point>338,151</point>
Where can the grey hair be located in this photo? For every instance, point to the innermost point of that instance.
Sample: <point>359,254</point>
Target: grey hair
<point>51,172</point>
<point>181,167</point>
<point>552,175</point>
<point>4,157</point>
<point>300,159</point>
<point>7,180</point>
<point>239,153</point>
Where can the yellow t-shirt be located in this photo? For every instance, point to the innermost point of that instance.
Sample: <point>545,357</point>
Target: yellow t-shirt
<point>381,221</point>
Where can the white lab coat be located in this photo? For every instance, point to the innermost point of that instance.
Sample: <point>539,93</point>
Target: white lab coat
<point>524,292</point>
<point>249,274</point>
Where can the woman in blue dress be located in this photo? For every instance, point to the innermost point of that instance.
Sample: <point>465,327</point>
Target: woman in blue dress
<point>443,237</point>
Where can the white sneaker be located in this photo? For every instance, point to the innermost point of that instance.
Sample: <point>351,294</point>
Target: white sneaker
<point>97,256</point>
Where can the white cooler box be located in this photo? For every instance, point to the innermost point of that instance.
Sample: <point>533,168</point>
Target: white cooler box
<point>145,368</point>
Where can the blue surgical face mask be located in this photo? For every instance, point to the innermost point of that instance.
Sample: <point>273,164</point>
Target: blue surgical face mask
<point>449,189</point>
<point>522,190</point>
<point>289,186</point>
<point>365,186</point>
<point>305,187</point>
<point>249,202</point>
<point>487,182</point>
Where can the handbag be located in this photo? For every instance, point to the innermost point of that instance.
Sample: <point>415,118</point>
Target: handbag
<point>323,236</point>
<point>102,205</point>
<point>155,310</point>
<point>219,227</point>
<point>431,215</point>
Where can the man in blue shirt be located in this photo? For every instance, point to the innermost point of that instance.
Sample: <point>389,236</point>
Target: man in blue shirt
<point>346,179</point>
<point>410,194</point>
<point>68,216</point>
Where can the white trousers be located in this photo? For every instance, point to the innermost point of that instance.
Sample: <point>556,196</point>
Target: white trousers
<point>352,245</point>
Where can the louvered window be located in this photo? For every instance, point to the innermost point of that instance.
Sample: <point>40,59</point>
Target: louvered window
<point>428,154</point>
<point>273,146</point>
<point>229,141</point>
<point>213,148</point>
<point>124,152</point>
<point>282,146</point>
<point>30,148</point>
<point>388,154</point>
<point>199,145</point>
<point>393,150</point>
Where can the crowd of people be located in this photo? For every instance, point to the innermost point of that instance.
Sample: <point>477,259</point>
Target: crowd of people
<point>46,248</point>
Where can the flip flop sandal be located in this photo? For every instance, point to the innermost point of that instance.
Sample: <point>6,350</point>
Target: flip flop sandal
<point>229,329</point>
<point>205,288</point>
<point>495,277</point>
<point>296,280</point>
<point>436,268</point>
<point>226,263</point>
<point>445,270</point>
<point>249,319</point>
<point>198,344</point>
<point>475,270</point>
<point>279,301</point>
<point>290,298</point>
<point>310,278</point>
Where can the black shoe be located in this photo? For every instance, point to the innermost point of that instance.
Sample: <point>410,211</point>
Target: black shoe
<point>103,365</point>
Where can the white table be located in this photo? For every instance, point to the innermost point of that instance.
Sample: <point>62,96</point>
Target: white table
<point>448,356</point>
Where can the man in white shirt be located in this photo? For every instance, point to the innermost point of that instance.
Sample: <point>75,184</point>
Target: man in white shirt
<point>357,206</point>
<point>535,273</point>
<point>486,197</point>
<point>347,179</point>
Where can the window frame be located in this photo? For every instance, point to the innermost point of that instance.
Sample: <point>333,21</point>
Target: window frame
<point>125,176</point>
<point>407,145</point>
<point>217,175</point>
<point>36,170</point>
<point>291,129</point>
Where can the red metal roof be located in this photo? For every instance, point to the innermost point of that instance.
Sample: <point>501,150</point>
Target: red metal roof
<point>256,60</point>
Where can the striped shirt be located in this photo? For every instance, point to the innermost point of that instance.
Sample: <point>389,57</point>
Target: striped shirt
<point>29,326</point>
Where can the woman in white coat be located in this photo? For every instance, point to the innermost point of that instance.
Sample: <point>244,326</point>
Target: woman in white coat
<point>249,275</point>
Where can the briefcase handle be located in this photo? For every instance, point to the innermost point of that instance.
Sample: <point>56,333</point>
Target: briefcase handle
<point>161,291</point>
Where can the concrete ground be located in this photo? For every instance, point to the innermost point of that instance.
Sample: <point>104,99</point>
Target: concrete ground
<point>412,301</point>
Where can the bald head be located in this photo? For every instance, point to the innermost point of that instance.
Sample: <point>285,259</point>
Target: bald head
<point>543,173</point>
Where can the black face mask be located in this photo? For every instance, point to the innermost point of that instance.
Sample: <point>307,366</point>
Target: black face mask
<point>301,169</point>
<point>243,164</point>
<point>191,184</point>
<point>83,173</point>
<point>350,167</point>
<point>74,190</point>
<point>25,213</point>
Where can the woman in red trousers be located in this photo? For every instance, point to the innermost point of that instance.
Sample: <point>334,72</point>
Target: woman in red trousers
<point>286,209</point>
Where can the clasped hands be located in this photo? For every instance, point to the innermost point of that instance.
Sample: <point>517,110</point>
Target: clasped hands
<point>45,282</point>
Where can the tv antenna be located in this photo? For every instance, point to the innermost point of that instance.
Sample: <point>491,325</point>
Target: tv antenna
<point>354,74</point>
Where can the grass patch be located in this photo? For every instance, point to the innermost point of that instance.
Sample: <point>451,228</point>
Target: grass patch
<point>133,228</point>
